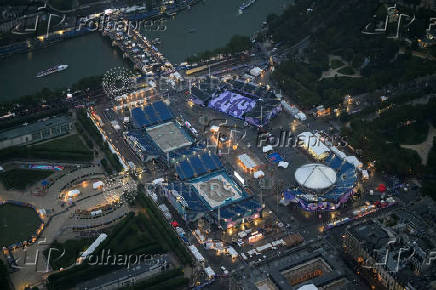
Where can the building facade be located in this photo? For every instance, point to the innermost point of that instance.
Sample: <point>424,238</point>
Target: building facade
<point>35,132</point>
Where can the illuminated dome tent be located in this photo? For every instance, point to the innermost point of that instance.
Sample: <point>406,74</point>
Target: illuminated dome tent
<point>315,176</point>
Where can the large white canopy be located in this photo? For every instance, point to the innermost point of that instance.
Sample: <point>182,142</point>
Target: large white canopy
<point>315,176</point>
<point>247,161</point>
<point>308,287</point>
<point>313,144</point>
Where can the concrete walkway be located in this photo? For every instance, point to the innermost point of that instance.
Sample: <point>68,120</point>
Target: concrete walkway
<point>335,72</point>
<point>424,148</point>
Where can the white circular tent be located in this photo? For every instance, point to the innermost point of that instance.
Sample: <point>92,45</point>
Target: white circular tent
<point>315,176</point>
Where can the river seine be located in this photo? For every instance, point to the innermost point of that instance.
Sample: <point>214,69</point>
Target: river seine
<point>206,26</point>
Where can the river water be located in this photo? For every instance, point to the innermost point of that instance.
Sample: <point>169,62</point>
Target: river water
<point>210,24</point>
<point>206,26</point>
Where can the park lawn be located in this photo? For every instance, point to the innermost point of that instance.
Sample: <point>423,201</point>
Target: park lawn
<point>70,143</point>
<point>336,63</point>
<point>22,178</point>
<point>133,235</point>
<point>413,134</point>
<point>62,4</point>
<point>348,70</point>
<point>65,254</point>
<point>136,235</point>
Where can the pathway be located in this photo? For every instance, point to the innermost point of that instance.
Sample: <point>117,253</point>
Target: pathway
<point>335,72</point>
<point>424,148</point>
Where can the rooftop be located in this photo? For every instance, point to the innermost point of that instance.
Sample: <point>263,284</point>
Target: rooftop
<point>371,234</point>
<point>315,176</point>
<point>33,127</point>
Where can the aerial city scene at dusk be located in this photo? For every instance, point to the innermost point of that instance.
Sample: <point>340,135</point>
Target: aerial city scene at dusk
<point>218,144</point>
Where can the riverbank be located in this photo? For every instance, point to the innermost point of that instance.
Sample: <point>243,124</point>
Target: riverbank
<point>206,26</point>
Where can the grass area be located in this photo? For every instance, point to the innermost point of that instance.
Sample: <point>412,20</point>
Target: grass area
<point>82,2</point>
<point>348,70</point>
<point>70,143</point>
<point>172,279</point>
<point>412,134</point>
<point>91,129</point>
<point>167,236</point>
<point>17,224</point>
<point>134,235</point>
<point>22,178</point>
<point>4,276</point>
<point>429,181</point>
<point>62,4</point>
<point>138,235</point>
<point>335,63</point>
<point>65,254</point>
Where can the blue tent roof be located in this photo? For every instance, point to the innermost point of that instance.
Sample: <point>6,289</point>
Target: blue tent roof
<point>275,157</point>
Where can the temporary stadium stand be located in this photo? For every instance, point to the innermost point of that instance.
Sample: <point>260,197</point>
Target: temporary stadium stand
<point>229,215</point>
<point>138,118</point>
<point>150,115</point>
<point>335,163</point>
<point>197,165</point>
<point>185,198</point>
<point>191,205</point>
<point>163,111</point>
<point>329,158</point>
<point>177,154</point>
<point>143,144</point>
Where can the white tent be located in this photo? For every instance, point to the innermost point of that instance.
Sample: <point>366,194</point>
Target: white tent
<point>214,128</point>
<point>232,252</point>
<point>338,152</point>
<point>209,272</point>
<point>198,256</point>
<point>247,161</point>
<point>267,148</point>
<point>97,184</point>
<point>301,116</point>
<point>96,212</point>
<point>92,247</point>
<point>283,164</point>
<point>239,177</point>
<point>259,174</point>
<point>308,287</point>
<point>353,160</point>
<point>163,208</point>
<point>256,71</point>
<point>313,145</point>
<point>73,193</point>
<point>158,181</point>
<point>315,176</point>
